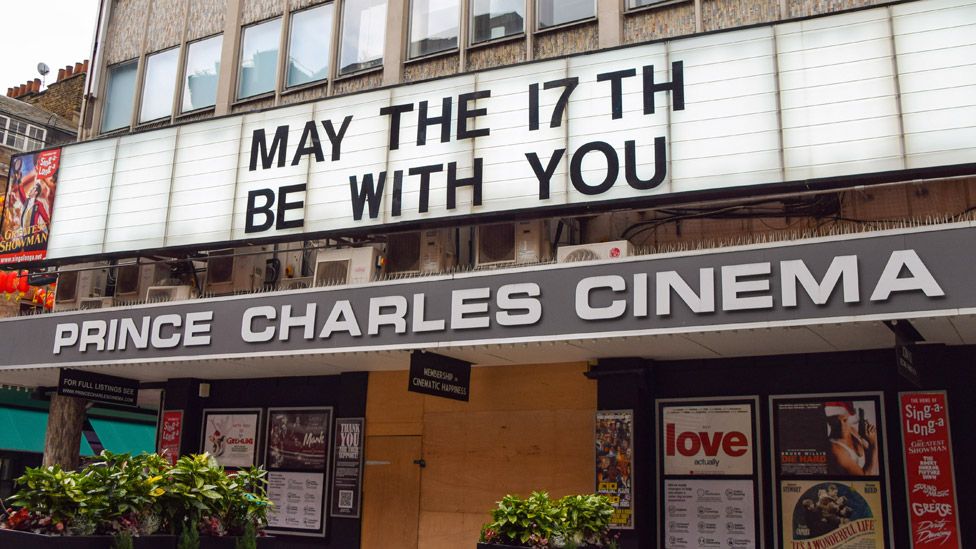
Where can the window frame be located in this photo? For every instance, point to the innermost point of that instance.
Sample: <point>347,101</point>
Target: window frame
<point>540,29</point>
<point>659,4</point>
<point>42,140</point>
<point>471,41</point>
<point>342,29</point>
<point>239,68</point>
<point>177,85</point>
<point>3,129</point>
<point>183,84</point>
<point>135,98</point>
<point>286,59</point>
<point>409,38</point>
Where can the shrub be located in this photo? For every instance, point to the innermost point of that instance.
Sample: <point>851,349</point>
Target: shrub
<point>539,522</point>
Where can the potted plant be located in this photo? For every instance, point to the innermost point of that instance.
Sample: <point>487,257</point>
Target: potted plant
<point>573,522</point>
<point>125,501</point>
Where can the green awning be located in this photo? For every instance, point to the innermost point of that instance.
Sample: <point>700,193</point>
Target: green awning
<point>125,437</point>
<point>23,431</point>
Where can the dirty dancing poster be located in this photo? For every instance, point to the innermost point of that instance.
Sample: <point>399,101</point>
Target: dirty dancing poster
<point>27,206</point>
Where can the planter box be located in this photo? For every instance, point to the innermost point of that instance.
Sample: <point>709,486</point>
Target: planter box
<point>496,546</point>
<point>229,542</point>
<point>27,540</point>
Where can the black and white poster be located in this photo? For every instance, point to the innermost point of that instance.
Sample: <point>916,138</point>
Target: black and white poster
<point>347,478</point>
<point>297,459</point>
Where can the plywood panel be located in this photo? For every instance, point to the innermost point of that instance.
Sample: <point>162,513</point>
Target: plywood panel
<point>390,493</point>
<point>390,409</point>
<point>524,387</point>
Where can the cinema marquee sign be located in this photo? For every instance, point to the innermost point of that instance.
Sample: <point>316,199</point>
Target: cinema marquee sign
<point>783,103</point>
<point>878,276</point>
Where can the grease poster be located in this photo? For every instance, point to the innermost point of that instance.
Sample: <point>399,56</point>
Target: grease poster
<point>27,206</point>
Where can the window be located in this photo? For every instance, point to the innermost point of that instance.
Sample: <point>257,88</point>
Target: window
<point>309,46</point>
<point>160,84</point>
<point>259,59</point>
<point>363,35</point>
<point>433,26</point>
<point>3,129</point>
<point>16,134</point>
<point>631,4</point>
<point>491,19</point>
<point>35,138</point>
<point>120,91</point>
<point>569,11</point>
<point>202,68</point>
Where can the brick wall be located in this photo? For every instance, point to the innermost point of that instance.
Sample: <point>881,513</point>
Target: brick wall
<point>63,98</point>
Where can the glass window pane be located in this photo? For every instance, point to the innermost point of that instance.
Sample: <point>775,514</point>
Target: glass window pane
<point>569,11</point>
<point>16,134</point>
<point>433,26</point>
<point>492,19</point>
<point>309,45</point>
<point>120,92</point>
<point>202,68</point>
<point>3,129</point>
<point>363,35</point>
<point>157,92</point>
<point>259,59</point>
<point>631,4</point>
<point>35,138</point>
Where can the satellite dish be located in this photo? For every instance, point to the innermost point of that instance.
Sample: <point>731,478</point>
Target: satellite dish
<point>43,69</point>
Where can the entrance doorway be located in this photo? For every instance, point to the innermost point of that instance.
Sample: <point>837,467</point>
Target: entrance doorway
<point>391,492</point>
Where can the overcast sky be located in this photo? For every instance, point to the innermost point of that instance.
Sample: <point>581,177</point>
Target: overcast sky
<point>56,32</point>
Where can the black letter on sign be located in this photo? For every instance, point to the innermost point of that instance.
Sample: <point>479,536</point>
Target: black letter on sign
<point>423,121</point>
<point>676,85</point>
<point>576,165</point>
<point>284,206</point>
<point>395,111</point>
<point>464,114</point>
<point>424,173</point>
<point>366,194</point>
<point>336,138</point>
<point>568,84</point>
<point>397,193</point>
<point>545,175</point>
<point>453,183</point>
<point>278,145</point>
<point>264,209</point>
<point>303,148</point>
<point>616,89</point>
<point>630,165</point>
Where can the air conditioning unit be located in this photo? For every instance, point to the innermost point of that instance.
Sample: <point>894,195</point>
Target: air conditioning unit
<point>132,281</point>
<point>73,286</point>
<point>95,303</point>
<point>346,266</point>
<point>594,252</point>
<point>169,293</point>
<point>512,243</point>
<point>295,283</point>
<point>229,273</point>
<point>421,252</point>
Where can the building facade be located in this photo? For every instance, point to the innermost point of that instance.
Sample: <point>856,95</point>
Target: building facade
<point>708,257</point>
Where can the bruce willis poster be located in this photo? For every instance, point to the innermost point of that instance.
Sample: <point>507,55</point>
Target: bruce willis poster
<point>28,204</point>
<point>231,437</point>
<point>828,436</point>
<point>614,463</point>
<point>831,515</point>
<point>298,439</point>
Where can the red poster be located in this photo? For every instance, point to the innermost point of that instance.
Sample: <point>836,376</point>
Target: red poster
<point>170,433</point>
<point>928,468</point>
<point>29,201</point>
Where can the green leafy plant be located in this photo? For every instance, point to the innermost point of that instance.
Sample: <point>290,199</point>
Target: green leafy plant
<point>249,539</point>
<point>573,522</point>
<point>189,537</point>
<point>123,540</point>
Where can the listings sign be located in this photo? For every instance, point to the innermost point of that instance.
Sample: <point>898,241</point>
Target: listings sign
<point>98,387</point>
<point>231,436</point>
<point>615,463</point>
<point>709,513</point>
<point>713,439</point>
<point>348,476</point>
<point>932,504</point>
<point>439,375</point>
<point>170,434</point>
<point>27,209</point>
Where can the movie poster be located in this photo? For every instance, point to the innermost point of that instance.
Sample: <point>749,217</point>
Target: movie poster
<point>27,207</point>
<point>615,463</point>
<point>831,514</point>
<point>827,437</point>
<point>298,439</point>
<point>703,513</point>
<point>231,436</point>
<point>708,439</point>
<point>170,435</point>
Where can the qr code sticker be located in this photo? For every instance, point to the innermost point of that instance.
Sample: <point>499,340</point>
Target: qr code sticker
<point>345,499</point>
